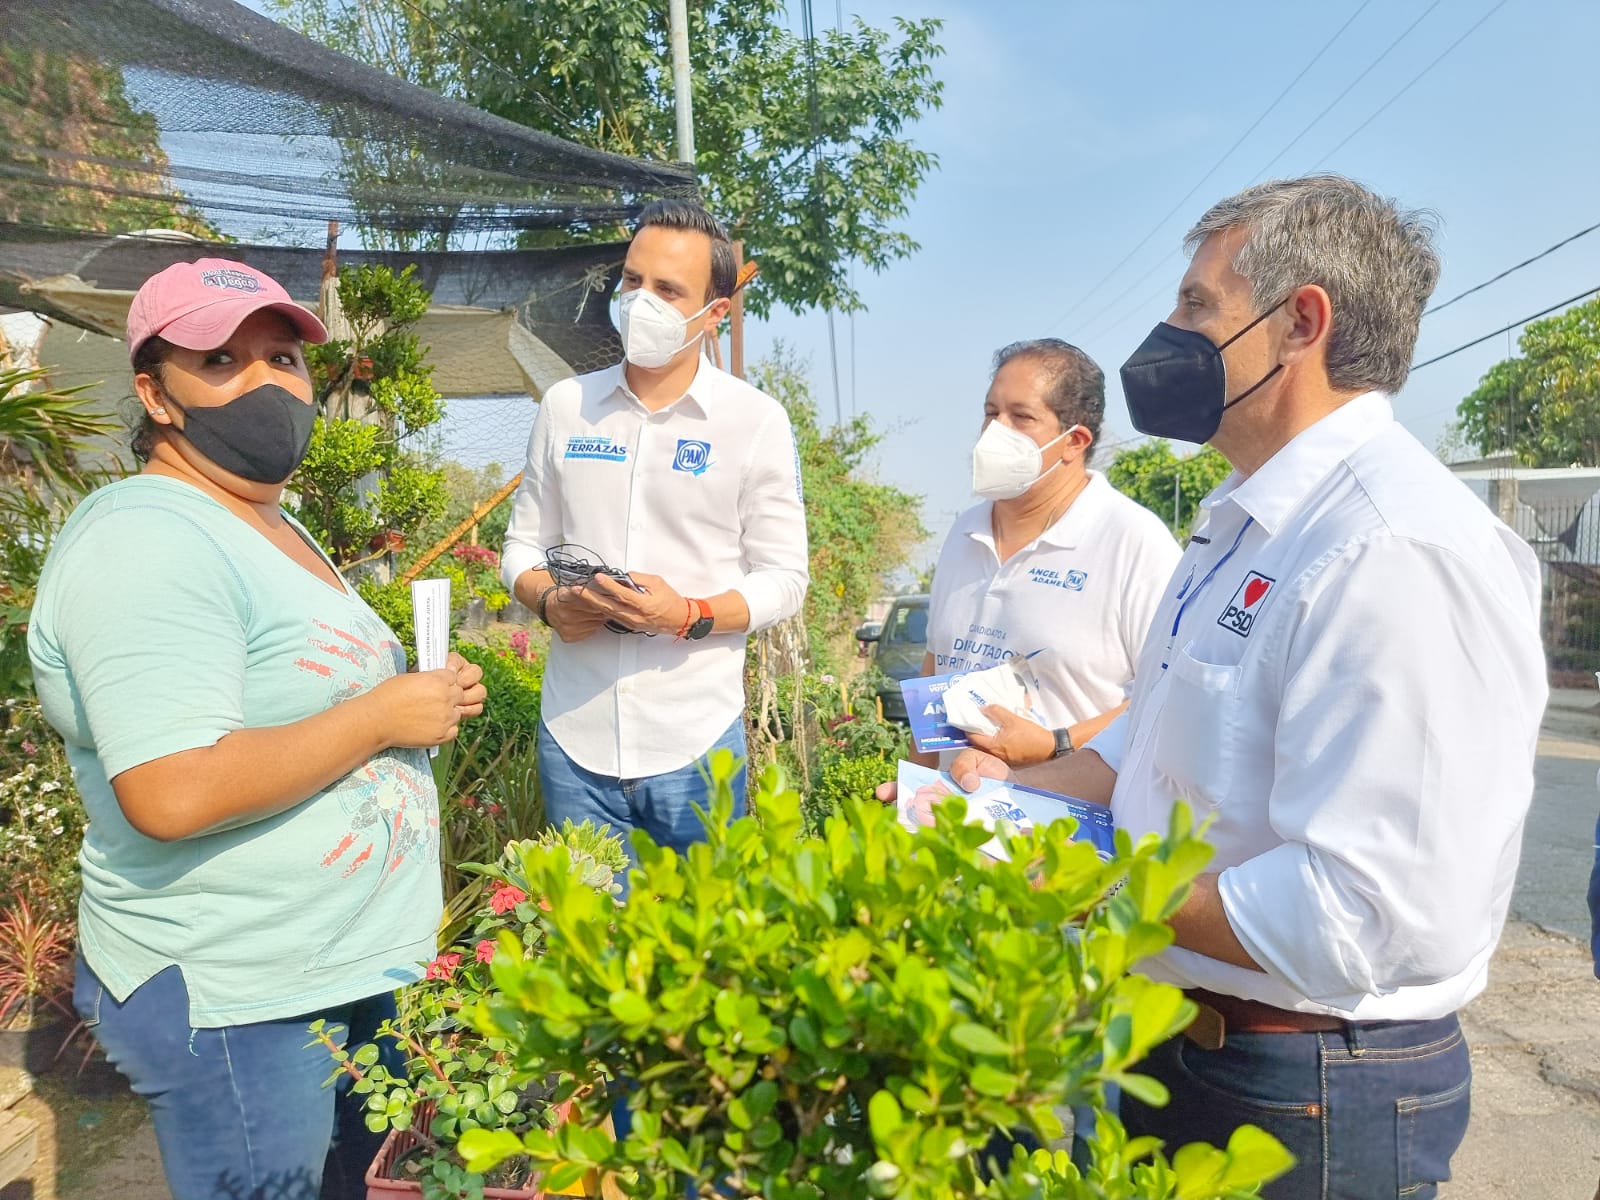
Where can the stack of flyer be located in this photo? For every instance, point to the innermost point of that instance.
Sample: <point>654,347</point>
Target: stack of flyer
<point>999,802</point>
<point>944,709</point>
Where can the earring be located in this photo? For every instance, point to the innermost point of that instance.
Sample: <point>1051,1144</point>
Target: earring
<point>161,412</point>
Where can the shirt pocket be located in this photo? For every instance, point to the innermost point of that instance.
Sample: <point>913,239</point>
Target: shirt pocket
<point>1195,742</point>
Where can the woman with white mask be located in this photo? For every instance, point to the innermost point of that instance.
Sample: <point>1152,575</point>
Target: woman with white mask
<point>1052,562</point>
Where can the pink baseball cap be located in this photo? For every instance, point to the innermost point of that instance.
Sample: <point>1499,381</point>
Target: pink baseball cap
<point>198,305</point>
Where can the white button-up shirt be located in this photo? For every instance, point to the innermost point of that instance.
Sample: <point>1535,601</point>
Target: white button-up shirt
<point>1084,590</point>
<point>704,493</point>
<point>1346,679</point>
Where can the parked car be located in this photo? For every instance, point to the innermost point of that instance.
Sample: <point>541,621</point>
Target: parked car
<point>900,645</point>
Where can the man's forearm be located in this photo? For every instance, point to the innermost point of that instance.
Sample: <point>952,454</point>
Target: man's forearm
<point>531,584</point>
<point>1084,775</point>
<point>1202,925</point>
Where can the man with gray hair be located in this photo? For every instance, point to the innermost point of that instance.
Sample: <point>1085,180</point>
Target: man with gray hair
<point>1345,677</point>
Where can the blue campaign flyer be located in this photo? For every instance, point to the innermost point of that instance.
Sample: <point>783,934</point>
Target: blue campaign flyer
<point>996,801</point>
<point>925,709</point>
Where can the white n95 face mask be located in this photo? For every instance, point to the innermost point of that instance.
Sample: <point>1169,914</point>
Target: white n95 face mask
<point>1006,463</point>
<point>652,330</point>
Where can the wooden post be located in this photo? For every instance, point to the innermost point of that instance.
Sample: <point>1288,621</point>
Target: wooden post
<point>736,317</point>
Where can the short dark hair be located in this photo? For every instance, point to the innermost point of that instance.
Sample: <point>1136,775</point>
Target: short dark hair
<point>149,359</point>
<point>686,214</point>
<point>1075,388</point>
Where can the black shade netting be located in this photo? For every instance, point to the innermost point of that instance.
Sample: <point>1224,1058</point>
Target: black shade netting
<point>202,115</point>
<point>559,295</point>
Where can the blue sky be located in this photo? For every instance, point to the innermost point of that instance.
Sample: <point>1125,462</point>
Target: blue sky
<point>1070,129</point>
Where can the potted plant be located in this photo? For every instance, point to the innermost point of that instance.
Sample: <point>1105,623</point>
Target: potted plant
<point>36,1013</point>
<point>854,1014</point>
<point>457,1078</point>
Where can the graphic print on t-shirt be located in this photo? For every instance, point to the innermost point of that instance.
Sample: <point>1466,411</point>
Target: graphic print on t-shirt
<point>386,797</point>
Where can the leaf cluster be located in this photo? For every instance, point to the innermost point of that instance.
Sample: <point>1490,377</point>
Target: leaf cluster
<point>845,1015</point>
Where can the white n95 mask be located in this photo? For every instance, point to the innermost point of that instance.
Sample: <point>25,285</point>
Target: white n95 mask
<point>652,330</point>
<point>1006,463</point>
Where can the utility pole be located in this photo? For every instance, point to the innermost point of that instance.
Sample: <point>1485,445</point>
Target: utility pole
<point>682,102</point>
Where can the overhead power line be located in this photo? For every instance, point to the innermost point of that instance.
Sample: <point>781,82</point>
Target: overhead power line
<point>1265,113</point>
<point>1504,329</point>
<point>1350,87</point>
<point>1414,80</point>
<point>1527,262</point>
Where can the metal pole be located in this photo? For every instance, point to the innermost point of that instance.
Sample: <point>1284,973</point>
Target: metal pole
<point>682,102</point>
<point>1177,491</point>
<point>736,319</point>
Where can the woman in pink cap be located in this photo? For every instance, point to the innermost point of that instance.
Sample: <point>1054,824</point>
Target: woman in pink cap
<point>262,848</point>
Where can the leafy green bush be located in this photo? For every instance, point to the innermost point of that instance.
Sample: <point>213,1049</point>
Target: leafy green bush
<point>515,681</point>
<point>854,1014</point>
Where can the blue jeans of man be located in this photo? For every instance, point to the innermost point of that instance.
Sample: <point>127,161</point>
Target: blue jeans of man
<point>661,805</point>
<point>240,1112</point>
<point>1375,1110</point>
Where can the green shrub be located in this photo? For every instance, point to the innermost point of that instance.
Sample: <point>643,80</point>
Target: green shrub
<point>854,1014</point>
<point>515,681</point>
<point>41,815</point>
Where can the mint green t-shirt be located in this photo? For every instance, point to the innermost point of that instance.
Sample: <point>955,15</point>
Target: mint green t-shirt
<point>162,623</point>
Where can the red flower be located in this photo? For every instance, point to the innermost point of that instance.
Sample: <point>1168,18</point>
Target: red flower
<point>443,967</point>
<point>485,951</point>
<point>506,898</point>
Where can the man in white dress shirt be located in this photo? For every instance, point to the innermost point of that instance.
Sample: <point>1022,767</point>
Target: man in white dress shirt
<point>1345,676</point>
<point>686,478</point>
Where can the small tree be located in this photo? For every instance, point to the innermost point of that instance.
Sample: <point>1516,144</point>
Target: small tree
<point>1169,486</point>
<point>359,485</point>
<point>1543,406</point>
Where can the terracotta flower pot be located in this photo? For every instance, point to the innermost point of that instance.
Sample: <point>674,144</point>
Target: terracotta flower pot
<point>381,1175</point>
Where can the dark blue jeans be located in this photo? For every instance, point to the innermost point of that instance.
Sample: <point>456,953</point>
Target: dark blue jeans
<point>661,805</point>
<point>1374,1111</point>
<point>240,1112</point>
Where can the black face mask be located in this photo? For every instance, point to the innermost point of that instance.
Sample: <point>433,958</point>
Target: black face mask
<point>1176,385</point>
<point>261,435</point>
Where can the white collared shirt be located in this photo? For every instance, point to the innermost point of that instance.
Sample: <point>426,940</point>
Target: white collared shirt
<point>704,493</point>
<point>1347,680</point>
<point>1084,590</point>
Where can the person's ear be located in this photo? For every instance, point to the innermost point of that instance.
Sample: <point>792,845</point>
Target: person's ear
<point>716,313</point>
<point>151,397</point>
<point>1310,313</point>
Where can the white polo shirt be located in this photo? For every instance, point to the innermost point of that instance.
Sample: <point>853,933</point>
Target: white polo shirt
<point>1346,678</point>
<point>1086,588</point>
<point>704,493</point>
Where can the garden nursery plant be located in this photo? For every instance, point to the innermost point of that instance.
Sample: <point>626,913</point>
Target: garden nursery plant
<point>851,1014</point>
<point>456,1077</point>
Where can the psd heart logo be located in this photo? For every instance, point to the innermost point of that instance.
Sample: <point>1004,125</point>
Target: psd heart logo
<point>1240,615</point>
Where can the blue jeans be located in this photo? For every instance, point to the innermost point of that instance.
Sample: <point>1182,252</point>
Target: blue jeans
<point>240,1112</point>
<point>1373,1111</point>
<point>661,805</point>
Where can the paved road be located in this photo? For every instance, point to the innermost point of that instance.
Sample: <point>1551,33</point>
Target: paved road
<point>1558,843</point>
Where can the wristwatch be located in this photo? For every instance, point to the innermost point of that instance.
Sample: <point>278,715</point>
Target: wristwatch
<point>1064,744</point>
<point>702,624</point>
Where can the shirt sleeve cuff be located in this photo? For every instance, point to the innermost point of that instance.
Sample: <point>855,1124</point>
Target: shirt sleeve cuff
<point>1271,901</point>
<point>767,599</point>
<point>1111,741</point>
<point>514,560</point>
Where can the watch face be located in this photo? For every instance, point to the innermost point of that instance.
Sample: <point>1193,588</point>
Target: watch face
<point>700,628</point>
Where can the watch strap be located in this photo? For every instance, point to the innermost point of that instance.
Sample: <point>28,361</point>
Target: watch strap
<point>1064,744</point>
<point>702,626</point>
